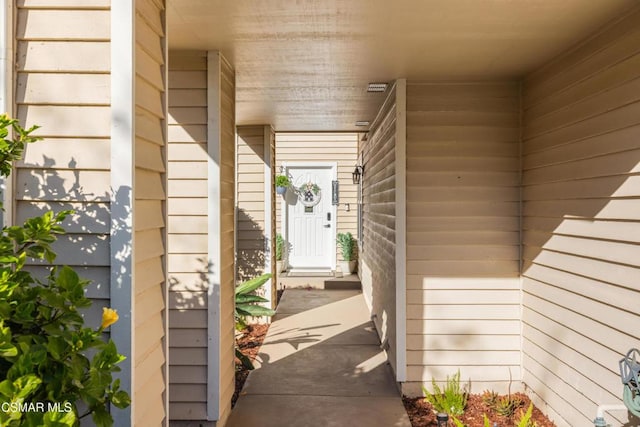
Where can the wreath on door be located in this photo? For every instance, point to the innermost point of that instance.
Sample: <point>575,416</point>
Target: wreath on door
<point>309,194</point>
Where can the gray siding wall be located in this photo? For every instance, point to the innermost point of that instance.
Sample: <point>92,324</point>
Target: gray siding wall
<point>463,297</point>
<point>581,223</point>
<point>377,261</point>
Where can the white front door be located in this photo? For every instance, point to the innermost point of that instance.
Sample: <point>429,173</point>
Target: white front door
<point>310,229</point>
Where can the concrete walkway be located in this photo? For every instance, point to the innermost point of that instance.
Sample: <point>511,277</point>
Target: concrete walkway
<point>320,365</point>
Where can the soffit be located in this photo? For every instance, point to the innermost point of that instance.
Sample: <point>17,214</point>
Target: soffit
<point>304,65</point>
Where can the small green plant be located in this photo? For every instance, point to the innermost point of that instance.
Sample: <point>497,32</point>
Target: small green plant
<point>486,421</point>
<point>279,247</point>
<point>452,399</point>
<point>282,181</point>
<point>507,405</point>
<point>524,419</point>
<point>490,398</point>
<point>457,422</point>
<point>347,245</point>
<point>49,359</point>
<point>246,306</point>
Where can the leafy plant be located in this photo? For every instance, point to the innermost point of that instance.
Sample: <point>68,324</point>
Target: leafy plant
<point>347,245</point>
<point>486,421</point>
<point>282,181</point>
<point>507,405</point>
<point>490,398</point>
<point>525,419</point>
<point>279,247</point>
<point>452,399</point>
<point>457,422</point>
<point>246,306</point>
<point>44,344</point>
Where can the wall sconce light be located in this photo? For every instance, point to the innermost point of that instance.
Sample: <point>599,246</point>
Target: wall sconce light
<point>357,174</point>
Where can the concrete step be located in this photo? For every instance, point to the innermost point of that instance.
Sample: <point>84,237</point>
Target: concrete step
<point>351,281</point>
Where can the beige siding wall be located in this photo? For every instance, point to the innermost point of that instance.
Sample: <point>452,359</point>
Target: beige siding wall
<point>377,261</point>
<point>256,204</point>
<point>227,236</point>
<point>193,258</point>
<point>70,99</point>
<point>149,216</point>
<point>341,148</point>
<point>188,231</point>
<point>581,221</point>
<point>463,298</point>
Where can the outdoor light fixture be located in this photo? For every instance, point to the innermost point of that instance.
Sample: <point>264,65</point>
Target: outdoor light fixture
<point>362,123</point>
<point>377,87</point>
<point>442,419</point>
<point>357,174</point>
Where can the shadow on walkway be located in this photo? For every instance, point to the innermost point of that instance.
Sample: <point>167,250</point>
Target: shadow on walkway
<point>320,365</point>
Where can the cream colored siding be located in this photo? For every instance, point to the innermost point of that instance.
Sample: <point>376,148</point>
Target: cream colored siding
<point>341,148</point>
<point>581,221</point>
<point>256,204</point>
<point>462,233</point>
<point>193,260</point>
<point>227,236</point>
<point>251,199</point>
<point>188,236</point>
<point>69,169</point>
<point>377,266</point>
<point>149,235</point>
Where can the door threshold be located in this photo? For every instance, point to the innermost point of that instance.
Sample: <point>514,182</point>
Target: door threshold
<point>309,273</point>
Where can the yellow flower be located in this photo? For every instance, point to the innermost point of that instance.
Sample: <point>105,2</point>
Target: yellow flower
<point>109,317</point>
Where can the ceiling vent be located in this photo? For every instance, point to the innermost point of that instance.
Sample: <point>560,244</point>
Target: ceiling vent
<point>377,87</point>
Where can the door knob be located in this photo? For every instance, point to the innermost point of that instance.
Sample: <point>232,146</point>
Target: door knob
<point>327,226</point>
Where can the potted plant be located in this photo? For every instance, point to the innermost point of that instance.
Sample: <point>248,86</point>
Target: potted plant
<point>347,245</point>
<point>282,183</point>
<point>279,252</point>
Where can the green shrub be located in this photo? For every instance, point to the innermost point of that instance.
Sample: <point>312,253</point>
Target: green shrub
<point>347,245</point>
<point>279,247</point>
<point>44,345</point>
<point>452,399</point>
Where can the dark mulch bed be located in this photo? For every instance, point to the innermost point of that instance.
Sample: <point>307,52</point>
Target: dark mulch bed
<point>249,345</point>
<point>421,413</point>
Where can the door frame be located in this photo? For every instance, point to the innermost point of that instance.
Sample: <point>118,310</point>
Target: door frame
<point>284,209</point>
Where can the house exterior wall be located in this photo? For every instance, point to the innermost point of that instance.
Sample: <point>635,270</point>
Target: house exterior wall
<point>463,298</point>
<point>581,220</point>
<point>201,236</point>
<point>256,204</point>
<point>149,306</point>
<point>64,83</point>
<point>225,208</point>
<point>377,257</point>
<point>187,241</point>
<point>70,99</point>
<point>341,148</point>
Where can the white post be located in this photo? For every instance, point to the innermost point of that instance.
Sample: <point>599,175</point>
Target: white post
<point>122,191</point>
<point>6,96</point>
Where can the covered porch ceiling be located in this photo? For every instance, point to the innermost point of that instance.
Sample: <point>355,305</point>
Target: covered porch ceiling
<point>304,65</point>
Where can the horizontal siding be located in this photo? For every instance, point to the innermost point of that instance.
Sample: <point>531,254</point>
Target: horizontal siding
<point>251,239</point>
<point>187,238</point>
<point>70,168</point>
<point>149,252</point>
<point>377,261</point>
<point>463,234</point>
<point>227,236</point>
<point>581,219</point>
<point>341,148</point>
